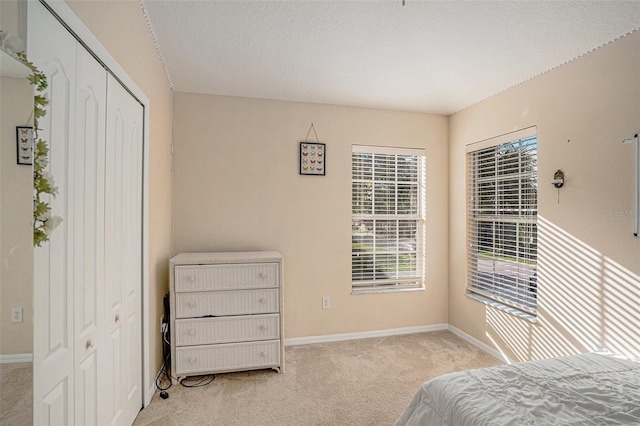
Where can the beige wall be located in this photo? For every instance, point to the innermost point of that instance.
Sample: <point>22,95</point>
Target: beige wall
<point>237,188</point>
<point>16,235</point>
<point>121,28</point>
<point>9,17</point>
<point>589,260</point>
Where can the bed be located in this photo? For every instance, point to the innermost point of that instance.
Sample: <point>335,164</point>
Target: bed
<point>593,389</point>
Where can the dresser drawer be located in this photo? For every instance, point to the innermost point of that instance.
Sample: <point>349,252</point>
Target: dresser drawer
<point>192,360</point>
<point>226,277</point>
<point>222,303</point>
<point>201,331</point>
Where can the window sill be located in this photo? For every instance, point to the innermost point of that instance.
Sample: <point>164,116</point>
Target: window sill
<point>505,308</point>
<point>385,290</point>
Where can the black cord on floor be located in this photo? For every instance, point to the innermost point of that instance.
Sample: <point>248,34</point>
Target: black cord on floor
<point>164,375</point>
<point>198,381</point>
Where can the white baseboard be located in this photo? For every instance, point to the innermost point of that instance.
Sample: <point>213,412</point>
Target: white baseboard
<point>293,341</point>
<point>15,358</point>
<point>480,345</point>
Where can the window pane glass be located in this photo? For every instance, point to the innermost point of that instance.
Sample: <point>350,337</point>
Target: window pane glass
<point>407,235</point>
<point>485,239</point>
<point>361,265</point>
<point>385,167</point>
<point>362,165</point>
<point>407,198</point>
<point>407,168</point>
<point>386,265</point>
<point>362,197</point>
<point>362,249</point>
<point>502,213</point>
<point>384,198</point>
<point>407,265</point>
<point>362,233</point>
<point>386,221</point>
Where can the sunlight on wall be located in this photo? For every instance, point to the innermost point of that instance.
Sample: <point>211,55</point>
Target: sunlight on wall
<point>510,333</point>
<point>550,339</point>
<point>586,302</point>
<point>570,284</point>
<point>621,301</point>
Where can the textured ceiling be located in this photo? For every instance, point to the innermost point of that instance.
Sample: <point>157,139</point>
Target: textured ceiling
<point>427,56</point>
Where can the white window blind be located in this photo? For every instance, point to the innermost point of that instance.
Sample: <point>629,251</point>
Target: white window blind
<point>387,237</point>
<point>502,185</point>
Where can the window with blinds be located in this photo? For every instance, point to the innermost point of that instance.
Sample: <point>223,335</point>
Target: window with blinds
<point>387,232</point>
<point>502,185</point>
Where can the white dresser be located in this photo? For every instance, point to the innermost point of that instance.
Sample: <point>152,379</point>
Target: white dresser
<point>226,312</point>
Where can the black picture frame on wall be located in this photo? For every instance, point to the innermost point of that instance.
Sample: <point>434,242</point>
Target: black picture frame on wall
<point>24,145</point>
<point>313,158</point>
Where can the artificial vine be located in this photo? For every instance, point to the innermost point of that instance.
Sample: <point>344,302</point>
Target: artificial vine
<point>43,182</point>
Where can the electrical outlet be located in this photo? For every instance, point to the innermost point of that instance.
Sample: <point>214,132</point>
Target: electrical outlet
<point>16,315</point>
<point>326,302</point>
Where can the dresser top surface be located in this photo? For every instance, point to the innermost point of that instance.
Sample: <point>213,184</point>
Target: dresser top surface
<point>226,257</point>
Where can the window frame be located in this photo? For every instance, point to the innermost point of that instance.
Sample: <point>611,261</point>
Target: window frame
<point>507,281</point>
<point>414,278</point>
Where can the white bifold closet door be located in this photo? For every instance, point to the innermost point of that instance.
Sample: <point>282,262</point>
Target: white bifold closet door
<point>87,281</point>
<point>123,255</point>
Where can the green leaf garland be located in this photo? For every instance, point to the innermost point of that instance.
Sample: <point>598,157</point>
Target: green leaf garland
<point>43,181</point>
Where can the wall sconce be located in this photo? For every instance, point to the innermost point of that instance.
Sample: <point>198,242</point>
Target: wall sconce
<point>558,179</point>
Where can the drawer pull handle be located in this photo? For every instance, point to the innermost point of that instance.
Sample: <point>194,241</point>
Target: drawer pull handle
<point>264,353</point>
<point>192,360</point>
<point>90,344</point>
<point>117,319</point>
<point>263,275</point>
<point>263,327</point>
<point>262,300</point>
<point>192,332</point>
<point>191,278</point>
<point>192,304</point>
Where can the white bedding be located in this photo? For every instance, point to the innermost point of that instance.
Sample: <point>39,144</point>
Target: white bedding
<point>592,389</point>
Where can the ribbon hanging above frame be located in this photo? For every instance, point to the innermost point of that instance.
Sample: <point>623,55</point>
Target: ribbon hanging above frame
<point>314,132</point>
<point>313,156</point>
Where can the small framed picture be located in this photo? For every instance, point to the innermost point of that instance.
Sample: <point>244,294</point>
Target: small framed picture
<point>24,142</point>
<point>313,158</point>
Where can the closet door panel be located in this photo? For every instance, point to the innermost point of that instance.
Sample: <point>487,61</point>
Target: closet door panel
<point>114,257</point>
<point>112,389</point>
<point>86,380</point>
<point>133,259</point>
<point>55,404</point>
<point>88,238</point>
<point>124,241</point>
<point>52,49</point>
<point>113,214</point>
<point>133,277</point>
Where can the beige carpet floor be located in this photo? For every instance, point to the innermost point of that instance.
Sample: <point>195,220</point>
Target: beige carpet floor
<point>358,382</point>
<point>15,393</point>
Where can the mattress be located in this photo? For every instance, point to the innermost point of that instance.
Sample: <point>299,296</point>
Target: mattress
<point>587,389</point>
